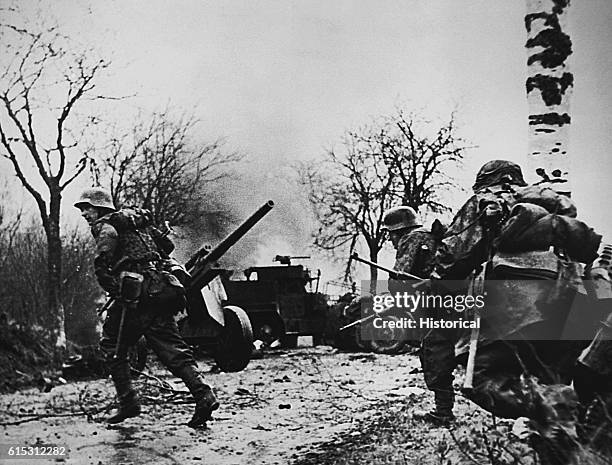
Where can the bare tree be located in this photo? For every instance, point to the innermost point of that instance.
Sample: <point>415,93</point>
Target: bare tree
<point>42,82</point>
<point>161,165</point>
<point>393,162</point>
<point>23,258</point>
<point>349,193</point>
<point>421,158</point>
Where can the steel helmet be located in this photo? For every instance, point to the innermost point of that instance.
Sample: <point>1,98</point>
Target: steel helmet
<point>498,171</point>
<point>399,218</point>
<point>96,197</point>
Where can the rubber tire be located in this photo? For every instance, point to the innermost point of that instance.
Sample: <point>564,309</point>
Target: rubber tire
<point>362,344</point>
<point>275,323</point>
<point>235,342</point>
<point>391,345</point>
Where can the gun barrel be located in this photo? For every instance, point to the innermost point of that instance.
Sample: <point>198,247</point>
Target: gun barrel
<point>233,237</point>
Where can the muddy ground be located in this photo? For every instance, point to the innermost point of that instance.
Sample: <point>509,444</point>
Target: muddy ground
<point>305,406</point>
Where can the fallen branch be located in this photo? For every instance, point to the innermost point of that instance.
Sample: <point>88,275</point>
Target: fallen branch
<point>37,417</point>
<point>165,400</point>
<point>162,384</point>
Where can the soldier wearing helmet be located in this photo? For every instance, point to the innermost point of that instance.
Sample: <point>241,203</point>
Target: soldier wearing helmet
<point>438,345</point>
<point>413,243</point>
<point>127,241</point>
<point>94,203</point>
<point>498,172</point>
<point>495,233</point>
<point>499,185</point>
<point>96,197</point>
<point>416,247</point>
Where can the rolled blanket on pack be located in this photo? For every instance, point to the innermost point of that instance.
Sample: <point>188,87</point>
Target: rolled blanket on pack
<point>526,265</point>
<point>546,198</point>
<point>532,227</point>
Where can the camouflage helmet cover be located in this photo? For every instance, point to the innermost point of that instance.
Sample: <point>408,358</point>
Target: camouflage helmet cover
<point>497,171</point>
<point>400,218</point>
<point>96,197</point>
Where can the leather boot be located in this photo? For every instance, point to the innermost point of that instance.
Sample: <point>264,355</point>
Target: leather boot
<point>442,414</point>
<point>206,401</point>
<point>205,406</point>
<point>128,401</point>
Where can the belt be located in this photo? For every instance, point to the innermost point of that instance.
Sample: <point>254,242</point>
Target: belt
<point>135,266</point>
<point>146,265</point>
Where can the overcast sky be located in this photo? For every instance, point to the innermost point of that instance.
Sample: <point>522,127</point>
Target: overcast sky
<point>281,80</point>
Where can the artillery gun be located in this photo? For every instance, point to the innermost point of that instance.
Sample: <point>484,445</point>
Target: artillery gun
<point>223,330</point>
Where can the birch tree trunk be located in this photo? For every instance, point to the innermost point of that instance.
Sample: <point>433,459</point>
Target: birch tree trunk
<point>549,84</point>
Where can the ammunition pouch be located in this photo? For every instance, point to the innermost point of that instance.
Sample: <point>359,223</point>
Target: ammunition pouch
<point>163,292</point>
<point>130,286</point>
<point>173,267</point>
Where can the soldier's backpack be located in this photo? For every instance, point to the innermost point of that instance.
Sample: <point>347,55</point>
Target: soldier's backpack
<point>532,227</point>
<point>143,249</point>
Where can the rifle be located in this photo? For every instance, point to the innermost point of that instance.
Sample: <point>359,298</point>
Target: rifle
<point>106,306</point>
<point>492,217</point>
<point>395,275</point>
<point>476,288</point>
<point>130,289</point>
<point>392,273</point>
<point>370,317</point>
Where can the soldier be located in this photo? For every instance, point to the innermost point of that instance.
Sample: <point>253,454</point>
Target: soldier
<point>126,241</point>
<point>416,247</point>
<point>530,245</point>
<point>593,375</point>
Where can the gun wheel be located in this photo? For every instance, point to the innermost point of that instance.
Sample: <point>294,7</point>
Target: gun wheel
<point>235,342</point>
<point>268,327</point>
<point>289,341</point>
<point>362,343</point>
<point>386,340</point>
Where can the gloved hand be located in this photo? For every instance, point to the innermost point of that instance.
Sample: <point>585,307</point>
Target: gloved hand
<point>493,214</point>
<point>110,284</point>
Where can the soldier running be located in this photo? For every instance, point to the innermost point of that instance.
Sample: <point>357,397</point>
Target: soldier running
<point>127,242</point>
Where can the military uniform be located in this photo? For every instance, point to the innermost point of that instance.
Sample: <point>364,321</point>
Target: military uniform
<point>416,249</point>
<point>525,358</point>
<point>126,241</point>
<point>511,227</point>
<point>415,255</point>
<point>593,376</point>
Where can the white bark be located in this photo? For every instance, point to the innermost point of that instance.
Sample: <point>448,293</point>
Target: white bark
<point>549,85</point>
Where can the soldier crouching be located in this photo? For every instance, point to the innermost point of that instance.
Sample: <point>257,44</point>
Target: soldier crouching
<point>129,251</point>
